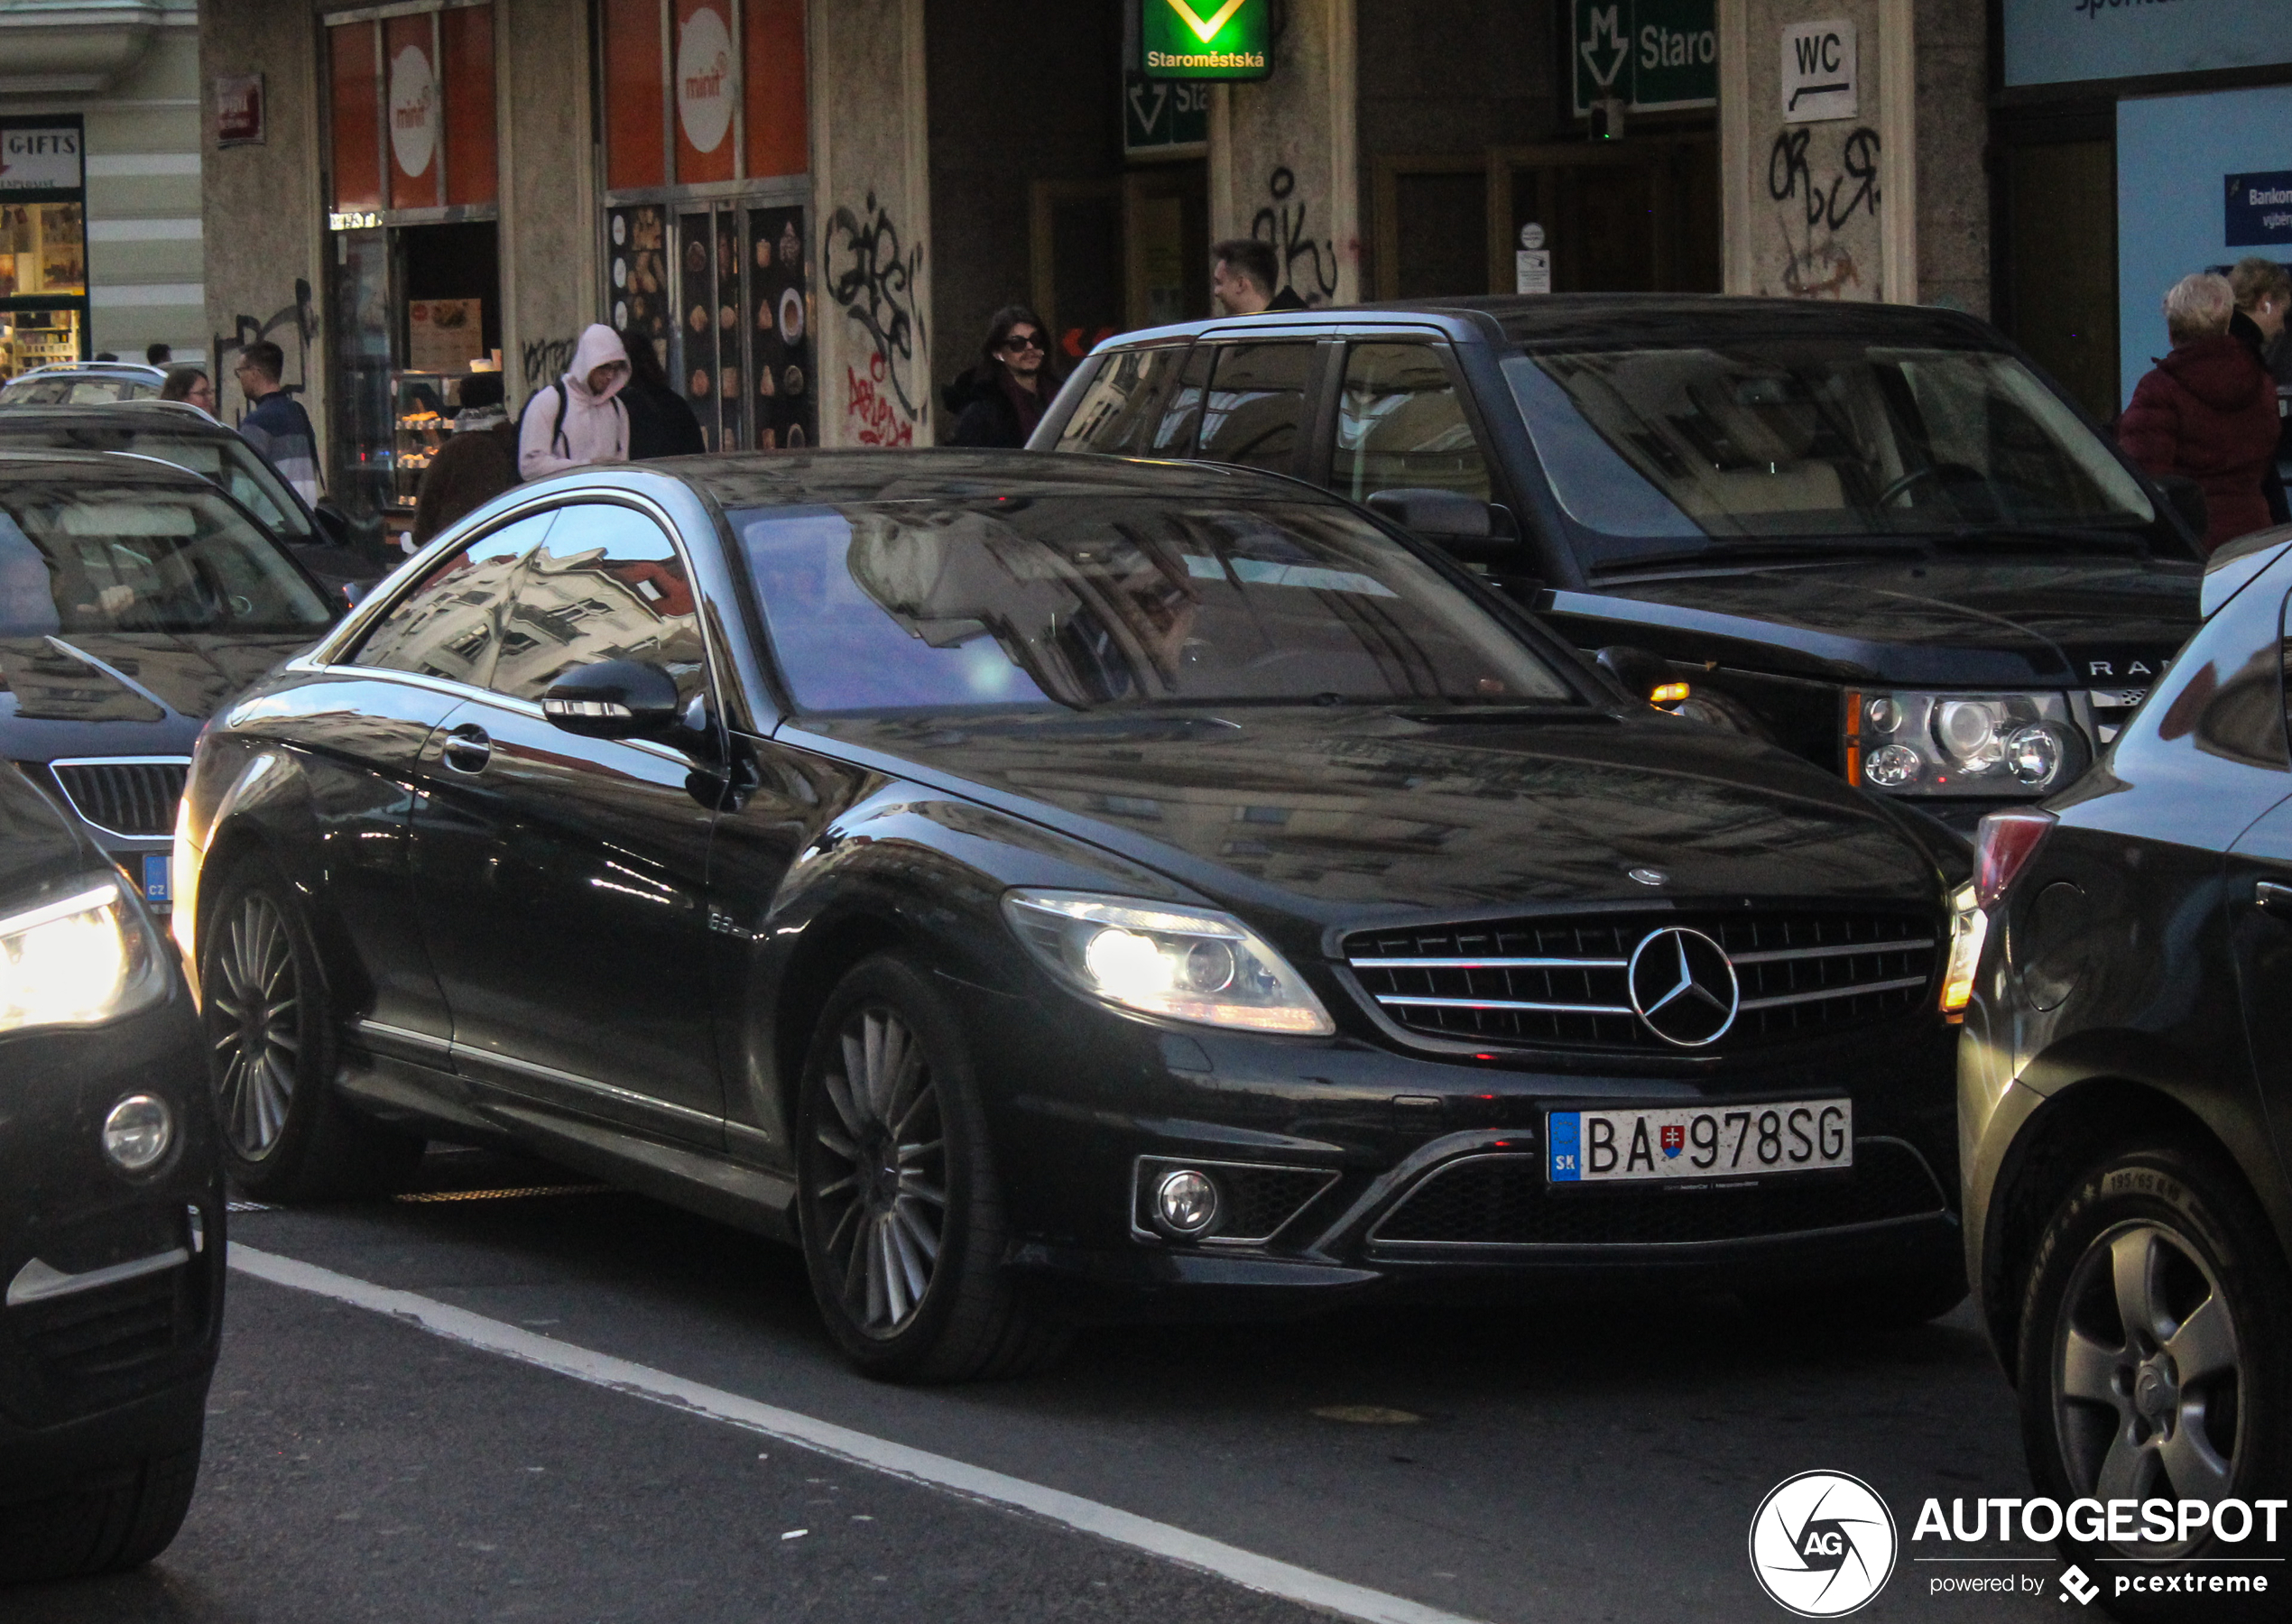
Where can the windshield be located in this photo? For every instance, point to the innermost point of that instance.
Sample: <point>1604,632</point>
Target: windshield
<point>225,460</point>
<point>85,558</point>
<point>1649,448</point>
<point>1084,603</point>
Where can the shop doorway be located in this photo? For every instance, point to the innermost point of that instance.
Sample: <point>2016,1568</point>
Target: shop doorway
<point>2061,265</point>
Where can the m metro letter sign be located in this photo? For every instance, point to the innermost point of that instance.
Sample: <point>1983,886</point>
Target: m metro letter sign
<point>1206,39</point>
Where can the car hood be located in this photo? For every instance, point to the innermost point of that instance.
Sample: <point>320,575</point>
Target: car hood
<point>37,847</point>
<point>1947,622</point>
<point>1346,817</point>
<point>81,679</point>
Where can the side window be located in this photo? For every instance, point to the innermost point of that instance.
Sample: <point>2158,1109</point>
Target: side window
<point>1255,400</point>
<point>1121,408</point>
<point>1400,424</point>
<point>1174,429</point>
<point>604,585</point>
<point>451,625</point>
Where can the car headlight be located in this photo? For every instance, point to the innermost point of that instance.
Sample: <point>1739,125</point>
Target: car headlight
<point>1988,744</point>
<point>1969,929</point>
<point>77,961</point>
<point>1177,963</point>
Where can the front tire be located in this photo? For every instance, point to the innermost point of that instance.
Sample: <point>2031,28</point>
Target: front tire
<point>903,1222</point>
<point>270,1023</point>
<point>2156,1354</point>
<point>117,1521</point>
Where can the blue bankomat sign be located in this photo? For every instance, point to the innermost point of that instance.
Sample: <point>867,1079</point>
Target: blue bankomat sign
<point>2057,41</point>
<point>2259,209</point>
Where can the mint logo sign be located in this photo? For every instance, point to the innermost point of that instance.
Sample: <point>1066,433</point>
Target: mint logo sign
<point>1650,54</point>
<point>1823,1544</point>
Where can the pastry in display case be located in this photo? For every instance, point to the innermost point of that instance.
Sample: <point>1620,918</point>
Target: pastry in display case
<point>425,406</point>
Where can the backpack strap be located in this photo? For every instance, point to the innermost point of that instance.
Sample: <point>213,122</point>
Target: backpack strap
<point>557,432</point>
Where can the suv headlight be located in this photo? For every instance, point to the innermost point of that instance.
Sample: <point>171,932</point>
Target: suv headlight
<point>1992,744</point>
<point>1180,963</point>
<point>78,961</point>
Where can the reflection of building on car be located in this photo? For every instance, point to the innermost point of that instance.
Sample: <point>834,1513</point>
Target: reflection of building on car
<point>1052,891</point>
<point>1872,535</point>
<point>111,1211</point>
<point>2126,1095</point>
<point>84,384</point>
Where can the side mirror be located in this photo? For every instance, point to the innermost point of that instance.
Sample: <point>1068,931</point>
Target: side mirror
<point>2187,500</point>
<point>619,700</point>
<point>1471,529</point>
<point>1644,676</point>
<point>332,523</point>
<point>355,593</point>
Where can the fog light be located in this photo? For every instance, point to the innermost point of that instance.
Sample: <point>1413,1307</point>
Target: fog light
<point>1186,1202</point>
<point>138,1133</point>
<point>1891,766</point>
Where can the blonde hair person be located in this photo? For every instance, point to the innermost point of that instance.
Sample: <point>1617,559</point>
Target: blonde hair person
<point>2198,306</point>
<point>2208,411</point>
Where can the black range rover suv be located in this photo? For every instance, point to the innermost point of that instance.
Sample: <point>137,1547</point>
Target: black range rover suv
<point>1875,535</point>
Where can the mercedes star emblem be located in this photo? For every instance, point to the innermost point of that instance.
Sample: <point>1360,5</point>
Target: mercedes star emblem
<point>1684,987</point>
<point>1648,876</point>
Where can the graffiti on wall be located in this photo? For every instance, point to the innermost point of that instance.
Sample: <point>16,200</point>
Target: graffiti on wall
<point>300,315</point>
<point>872,276</point>
<point>1308,263</point>
<point>1819,197</point>
<point>545,361</point>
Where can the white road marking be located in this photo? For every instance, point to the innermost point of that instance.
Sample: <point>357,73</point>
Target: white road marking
<point>1246,1568</point>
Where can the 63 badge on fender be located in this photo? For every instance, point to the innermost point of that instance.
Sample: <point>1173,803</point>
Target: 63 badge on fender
<point>1729,1142</point>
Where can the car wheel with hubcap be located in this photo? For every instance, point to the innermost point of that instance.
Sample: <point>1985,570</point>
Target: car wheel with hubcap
<point>903,1224</point>
<point>2156,1354</point>
<point>270,1032</point>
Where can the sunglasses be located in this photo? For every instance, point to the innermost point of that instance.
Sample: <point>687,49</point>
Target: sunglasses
<point>1018,343</point>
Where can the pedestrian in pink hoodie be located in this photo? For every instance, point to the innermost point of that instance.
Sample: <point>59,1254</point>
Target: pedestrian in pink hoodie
<point>576,420</point>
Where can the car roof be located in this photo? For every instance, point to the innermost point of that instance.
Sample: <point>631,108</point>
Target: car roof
<point>48,461</point>
<point>1570,320</point>
<point>96,369</point>
<point>177,418</point>
<point>782,479</point>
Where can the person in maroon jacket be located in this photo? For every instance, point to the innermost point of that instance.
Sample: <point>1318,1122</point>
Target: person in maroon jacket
<point>2207,412</point>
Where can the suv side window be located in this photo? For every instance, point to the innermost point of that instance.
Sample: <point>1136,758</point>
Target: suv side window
<point>1256,399</point>
<point>1174,432</point>
<point>1121,408</point>
<point>1400,424</point>
<point>606,583</point>
<point>451,625</point>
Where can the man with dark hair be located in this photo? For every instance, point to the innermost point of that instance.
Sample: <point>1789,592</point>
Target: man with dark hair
<point>159,354</point>
<point>1244,277</point>
<point>278,427</point>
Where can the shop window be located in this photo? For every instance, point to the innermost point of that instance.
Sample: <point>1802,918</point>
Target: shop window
<point>412,106</point>
<point>466,37</point>
<point>772,58</point>
<point>43,245</point>
<point>633,90</point>
<point>728,77</point>
<point>355,97</point>
<point>410,80</point>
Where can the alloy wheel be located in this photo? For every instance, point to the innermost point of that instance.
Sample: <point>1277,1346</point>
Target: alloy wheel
<point>881,1154</point>
<point>256,1026</point>
<point>2148,1374</point>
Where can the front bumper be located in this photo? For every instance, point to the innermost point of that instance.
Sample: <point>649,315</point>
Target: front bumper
<point>111,1289</point>
<point>1364,1170</point>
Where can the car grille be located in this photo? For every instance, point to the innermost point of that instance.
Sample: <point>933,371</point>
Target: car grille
<point>1565,980</point>
<point>1505,1201</point>
<point>132,796</point>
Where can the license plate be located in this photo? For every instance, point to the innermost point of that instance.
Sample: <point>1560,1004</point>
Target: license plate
<point>159,881</point>
<point>1699,1142</point>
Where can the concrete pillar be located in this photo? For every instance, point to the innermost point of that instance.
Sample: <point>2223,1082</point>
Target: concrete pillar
<point>263,218</point>
<point>1284,160</point>
<point>1823,210</point>
<point>548,240</point>
<point>872,200</point>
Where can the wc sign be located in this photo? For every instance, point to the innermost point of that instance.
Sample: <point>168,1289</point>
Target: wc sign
<point>1819,77</point>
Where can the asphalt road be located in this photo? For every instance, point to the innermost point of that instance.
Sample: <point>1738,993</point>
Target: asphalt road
<point>1573,1461</point>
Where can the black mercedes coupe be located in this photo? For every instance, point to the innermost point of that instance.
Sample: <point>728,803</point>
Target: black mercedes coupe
<point>1060,889</point>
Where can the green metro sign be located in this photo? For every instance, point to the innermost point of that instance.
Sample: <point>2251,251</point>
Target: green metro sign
<point>1206,39</point>
<point>1650,54</point>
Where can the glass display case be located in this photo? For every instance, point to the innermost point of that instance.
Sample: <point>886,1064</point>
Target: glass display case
<point>424,403</point>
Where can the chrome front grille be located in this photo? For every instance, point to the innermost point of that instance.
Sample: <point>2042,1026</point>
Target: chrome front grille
<point>130,796</point>
<point>1565,980</point>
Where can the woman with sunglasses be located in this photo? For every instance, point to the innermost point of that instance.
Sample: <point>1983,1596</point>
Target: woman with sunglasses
<point>999,401</point>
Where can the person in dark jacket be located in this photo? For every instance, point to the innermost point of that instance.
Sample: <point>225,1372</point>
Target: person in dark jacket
<point>2263,291</point>
<point>476,465</point>
<point>277,427</point>
<point>1245,279</point>
<point>2208,411</point>
<point>999,401</point>
<point>661,420</point>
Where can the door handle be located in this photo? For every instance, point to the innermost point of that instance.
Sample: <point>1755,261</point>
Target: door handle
<point>467,749</point>
<point>2272,897</point>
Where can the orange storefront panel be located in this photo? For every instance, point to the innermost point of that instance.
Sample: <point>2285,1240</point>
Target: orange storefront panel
<point>467,36</point>
<point>705,84</point>
<point>357,155</point>
<point>409,82</point>
<point>633,80</point>
<point>772,49</point>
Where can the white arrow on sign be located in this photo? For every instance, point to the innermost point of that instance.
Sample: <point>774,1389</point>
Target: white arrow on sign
<point>1608,22</point>
<point>1160,91</point>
